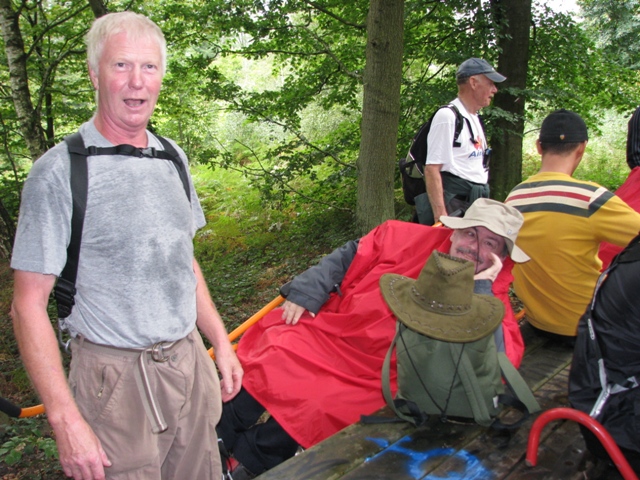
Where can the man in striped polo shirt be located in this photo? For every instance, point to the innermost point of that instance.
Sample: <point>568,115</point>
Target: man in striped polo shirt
<point>565,220</point>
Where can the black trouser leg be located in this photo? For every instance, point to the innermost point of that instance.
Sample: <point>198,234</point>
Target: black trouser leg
<point>264,446</point>
<point>238,415</point>
<point>258,447</point>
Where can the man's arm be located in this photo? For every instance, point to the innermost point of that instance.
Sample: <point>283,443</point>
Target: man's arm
<point>439,153</point>
<point>483,282</point>
<point>433,180</point>
<point>80,451</point>
<point>210,323</point>
<point>311,289</point>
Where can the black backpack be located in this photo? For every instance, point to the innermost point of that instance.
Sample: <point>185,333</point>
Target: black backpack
<point>605,371</point>
<point>412,167</point>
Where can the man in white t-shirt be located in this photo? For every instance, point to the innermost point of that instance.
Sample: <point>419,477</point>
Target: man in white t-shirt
<point>457,174</point>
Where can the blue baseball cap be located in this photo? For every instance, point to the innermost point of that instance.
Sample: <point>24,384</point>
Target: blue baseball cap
<point>478,66</point>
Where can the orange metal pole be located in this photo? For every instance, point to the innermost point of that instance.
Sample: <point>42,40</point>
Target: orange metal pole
<point>31,411</point>
<point>251,320</point>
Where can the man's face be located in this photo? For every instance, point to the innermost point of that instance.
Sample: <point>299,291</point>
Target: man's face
<point>475,244</point>
<point>483,90</point>
<point>128,84</point>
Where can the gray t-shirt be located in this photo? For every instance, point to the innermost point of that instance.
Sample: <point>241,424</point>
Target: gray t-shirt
<point>135,284</point>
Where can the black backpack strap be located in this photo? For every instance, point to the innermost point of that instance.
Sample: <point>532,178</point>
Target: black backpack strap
<point>177,161</point>
<point>611,382</point>
<point>459,124</point>
<point>65,289</point>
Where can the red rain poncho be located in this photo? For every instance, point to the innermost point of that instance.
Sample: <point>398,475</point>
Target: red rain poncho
<point>320,375</point>
<point>629,191</point>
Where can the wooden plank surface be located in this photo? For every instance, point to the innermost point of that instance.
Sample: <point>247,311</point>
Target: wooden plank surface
<point>439,450</point>
<point>496,454</point>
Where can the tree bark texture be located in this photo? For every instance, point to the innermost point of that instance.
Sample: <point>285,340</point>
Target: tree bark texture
<point>380,113</point>
<point>28,117</point>
<point>98,8</point>
<point>513,22</point>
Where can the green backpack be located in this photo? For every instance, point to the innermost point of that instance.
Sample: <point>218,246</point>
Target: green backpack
<point>447,360</point>
<point>452,379</point>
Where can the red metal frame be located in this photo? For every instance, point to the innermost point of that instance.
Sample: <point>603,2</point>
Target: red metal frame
<point>582,418</point>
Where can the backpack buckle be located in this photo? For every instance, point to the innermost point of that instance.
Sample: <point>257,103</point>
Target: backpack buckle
<point>63,292</point>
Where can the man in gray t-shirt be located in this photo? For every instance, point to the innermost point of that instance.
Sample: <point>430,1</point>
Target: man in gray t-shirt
<point>143,396</point>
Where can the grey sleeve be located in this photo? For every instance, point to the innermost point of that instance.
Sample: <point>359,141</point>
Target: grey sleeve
<point>483,287</point>
<point>43,230</point>
<point>311,288</point>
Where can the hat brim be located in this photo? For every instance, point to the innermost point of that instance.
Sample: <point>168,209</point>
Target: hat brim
<point>457,223</point>
<point>495,77</point>
<point>484,316</point>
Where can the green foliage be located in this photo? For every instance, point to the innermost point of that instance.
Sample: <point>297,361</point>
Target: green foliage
<point>605,158</point>
<point>615,26</point>
<point>53,35</point>
<point>24,438</point>
<point>567,70</point>
<point>249,248</point>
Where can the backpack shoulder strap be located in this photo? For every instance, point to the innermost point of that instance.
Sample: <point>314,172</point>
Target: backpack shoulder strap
<point>386,382</point>
<point>631,253</point>
<point>526,402</point>
<point>174,157</point>
<point>418,150</point>
<point>469,379</point>
<point>65,285</point>
<point>517,383</point>
<point>611,381</point>
<point>459,124</point>
<point>413,415</point>
<point>169,153</point>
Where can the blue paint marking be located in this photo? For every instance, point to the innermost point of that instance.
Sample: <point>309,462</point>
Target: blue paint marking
<point>472,466</point>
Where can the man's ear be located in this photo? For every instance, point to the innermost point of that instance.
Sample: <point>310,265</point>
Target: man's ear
<point>473,81</point>
<point>578,154</point>
<point>538,147</point>
<point>581,148</point>
<point>93,76</point>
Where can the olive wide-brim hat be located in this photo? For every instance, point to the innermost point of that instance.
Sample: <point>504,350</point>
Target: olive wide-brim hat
<point>441,303</point>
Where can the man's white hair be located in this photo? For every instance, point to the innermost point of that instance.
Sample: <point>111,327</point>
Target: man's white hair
<point>135,25</point>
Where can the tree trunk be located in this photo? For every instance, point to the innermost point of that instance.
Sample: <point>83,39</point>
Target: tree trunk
<point>98,7</point>
<point>513,22</point>
<point>28,117</point>
<point>380,113</point>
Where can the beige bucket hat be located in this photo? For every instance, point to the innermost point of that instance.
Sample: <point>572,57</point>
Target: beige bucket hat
<point>501,219</point>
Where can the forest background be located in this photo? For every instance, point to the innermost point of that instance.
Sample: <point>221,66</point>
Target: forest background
<point>294,114</point>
